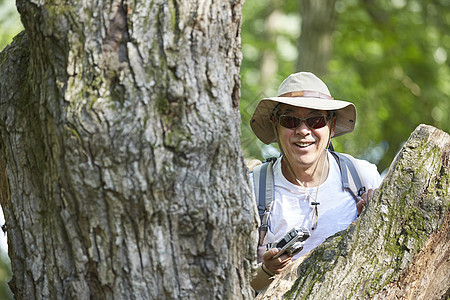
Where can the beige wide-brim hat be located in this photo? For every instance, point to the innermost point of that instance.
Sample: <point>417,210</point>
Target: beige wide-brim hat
<point>306,90</point>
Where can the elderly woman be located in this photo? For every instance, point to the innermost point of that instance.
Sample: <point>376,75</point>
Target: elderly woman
<point>307,184</point>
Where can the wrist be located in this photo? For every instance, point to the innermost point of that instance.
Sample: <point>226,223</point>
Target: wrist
<point>268,273</point>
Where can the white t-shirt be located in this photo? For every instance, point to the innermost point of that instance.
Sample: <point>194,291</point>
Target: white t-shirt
<point>337,208</point>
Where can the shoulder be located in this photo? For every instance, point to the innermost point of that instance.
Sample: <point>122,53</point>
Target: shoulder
<point>369,172</point>
<point>261,170</point>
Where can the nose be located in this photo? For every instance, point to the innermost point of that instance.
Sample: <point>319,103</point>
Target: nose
<point>302,128</point>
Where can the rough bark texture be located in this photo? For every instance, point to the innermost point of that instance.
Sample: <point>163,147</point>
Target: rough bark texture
<point>315,43</point>
<point>121,170</point>
<point>400,246</point>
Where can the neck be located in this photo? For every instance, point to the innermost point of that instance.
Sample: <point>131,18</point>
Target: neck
<point>309,176</point>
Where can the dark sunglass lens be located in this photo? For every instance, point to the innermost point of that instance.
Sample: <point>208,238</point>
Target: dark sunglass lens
<point>316,122</point>
<point>289,122</point>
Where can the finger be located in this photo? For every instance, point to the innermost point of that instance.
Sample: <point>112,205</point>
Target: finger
<point>286,262</point>
<point>360,206</point>
<point>270,253</point>
<point>284,257</point>
<point>277,268</point>
<point>369,195</point>
<point>364,196</point>
<point>274,266</point>
<point>253,163</point>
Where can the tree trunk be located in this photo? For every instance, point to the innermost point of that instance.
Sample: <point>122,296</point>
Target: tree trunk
<point>269,61</point>
<point>400,246</point>
<point>316,38</point>
<point>121,170</point>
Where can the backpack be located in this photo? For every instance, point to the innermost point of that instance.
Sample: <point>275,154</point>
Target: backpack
<point>264,186</point>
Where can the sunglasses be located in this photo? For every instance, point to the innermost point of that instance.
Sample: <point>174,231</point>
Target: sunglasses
<point>293,122</point>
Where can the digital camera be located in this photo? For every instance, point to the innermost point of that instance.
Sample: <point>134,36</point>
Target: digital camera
<point>291,242</point>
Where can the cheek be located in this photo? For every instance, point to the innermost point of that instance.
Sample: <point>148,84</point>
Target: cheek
<point>282,132</point>
<point>284,137</point>
<point>323,136</point>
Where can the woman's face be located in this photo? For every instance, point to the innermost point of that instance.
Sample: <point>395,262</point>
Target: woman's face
<point>303,146</point>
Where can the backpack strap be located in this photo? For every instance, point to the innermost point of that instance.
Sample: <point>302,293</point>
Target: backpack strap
<point>353,183</point>
<point>264,189</point>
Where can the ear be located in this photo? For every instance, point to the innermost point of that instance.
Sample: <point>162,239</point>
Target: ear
<point>333,127</point>
<point>274,122</point>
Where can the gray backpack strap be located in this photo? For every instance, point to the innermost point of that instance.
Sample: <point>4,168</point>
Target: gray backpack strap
<point>264,192</point>
<point>352,183</point>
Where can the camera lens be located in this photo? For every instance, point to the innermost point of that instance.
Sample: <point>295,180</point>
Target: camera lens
<point>295,248</point>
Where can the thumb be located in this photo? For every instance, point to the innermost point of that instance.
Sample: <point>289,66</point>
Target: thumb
<point>270,253</point>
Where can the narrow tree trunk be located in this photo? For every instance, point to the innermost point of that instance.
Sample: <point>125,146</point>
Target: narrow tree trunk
<point>269,61</point>
<point>119,129</point>
<point>399,247</point>
<point>316,38</point>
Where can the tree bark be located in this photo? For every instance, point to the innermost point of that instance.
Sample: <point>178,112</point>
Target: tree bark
<point>121,170</point>
<point>316,38</point>
<point>398,248</point>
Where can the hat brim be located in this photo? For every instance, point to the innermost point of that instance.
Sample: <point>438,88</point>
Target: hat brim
<point>261,123</point>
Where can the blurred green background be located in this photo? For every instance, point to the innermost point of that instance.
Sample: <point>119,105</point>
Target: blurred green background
<point>389,57</point>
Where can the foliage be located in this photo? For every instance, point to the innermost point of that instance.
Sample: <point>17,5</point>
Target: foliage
<point>390,59</point>
<point>5,276</point>
<point>10,23</point>
<point>257,43</point>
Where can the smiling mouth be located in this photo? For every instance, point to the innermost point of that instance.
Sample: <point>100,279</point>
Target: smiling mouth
<point>304,145</point>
